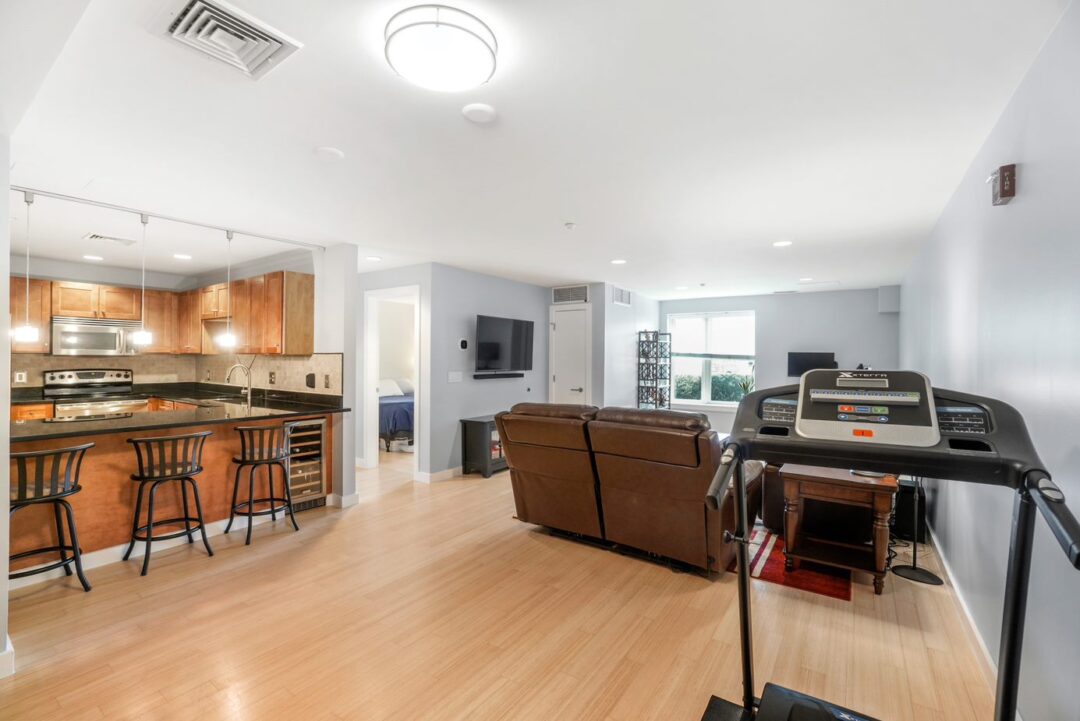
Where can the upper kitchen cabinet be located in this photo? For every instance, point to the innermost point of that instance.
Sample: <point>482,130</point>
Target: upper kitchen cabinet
<point>40,315</point>
<point>162,319</point>
<point>189,327</point>
<point>89,300</point>
<point>272,314</point>
<point>215,301</point>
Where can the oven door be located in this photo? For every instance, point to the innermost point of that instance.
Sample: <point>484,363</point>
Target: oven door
<point>84,338</point>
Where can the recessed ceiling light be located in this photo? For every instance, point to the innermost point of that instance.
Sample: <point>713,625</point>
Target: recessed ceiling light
<point>618,261</point>
<point>806,280</point>
<point>93,257</point>
<point>781,243</point>
<point>373,258</point>
<point>681,287</point>
<point>479,113</point>
<point>181,256</point>
<point>440,48</point>
<point>328,152</point>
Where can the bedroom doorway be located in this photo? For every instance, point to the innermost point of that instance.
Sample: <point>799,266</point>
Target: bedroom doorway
<point>392,386</point>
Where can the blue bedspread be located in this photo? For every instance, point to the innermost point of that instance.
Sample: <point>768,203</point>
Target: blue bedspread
<point>395,414</point>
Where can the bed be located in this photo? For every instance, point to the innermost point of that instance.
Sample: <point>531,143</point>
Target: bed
<point>396,419</point>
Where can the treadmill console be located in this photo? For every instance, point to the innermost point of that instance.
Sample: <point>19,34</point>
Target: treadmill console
<point>895,407</point>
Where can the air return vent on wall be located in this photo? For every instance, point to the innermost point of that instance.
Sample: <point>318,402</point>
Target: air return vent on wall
<point>620,296</point>
<point>224,33</point>
<point>570,294</point>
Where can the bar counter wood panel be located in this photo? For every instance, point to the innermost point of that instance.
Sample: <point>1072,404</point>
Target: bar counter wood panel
<point>104,507</point>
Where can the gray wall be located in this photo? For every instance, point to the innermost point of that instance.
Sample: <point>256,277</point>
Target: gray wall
<point>992,306</point>
<point>846,322</point>
<point>620,329</point>
<point>457,297</point>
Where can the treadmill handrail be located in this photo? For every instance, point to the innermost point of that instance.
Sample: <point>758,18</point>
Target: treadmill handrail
<point>1051,503</point>
<point>715,495</point>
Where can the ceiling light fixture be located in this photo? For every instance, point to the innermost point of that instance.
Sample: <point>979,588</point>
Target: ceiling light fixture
<point>782,244</point>
<point>94,258</point>
<point>618,261</point>
<point>227,339</point>
<point>143,337</point>
<point>681,287</point>
<point>329,152</point>
<point>27,333</point>
<point>479,113</point>
<point>806,280</point>
<point>181,256</point>
<point>440,48</point>
<point>373,258</point>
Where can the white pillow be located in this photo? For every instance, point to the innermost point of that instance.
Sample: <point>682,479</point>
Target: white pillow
<point>405,385</point>
<point>388,387</point>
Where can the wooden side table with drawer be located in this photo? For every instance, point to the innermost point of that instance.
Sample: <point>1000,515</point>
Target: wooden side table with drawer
<point>834,485</point>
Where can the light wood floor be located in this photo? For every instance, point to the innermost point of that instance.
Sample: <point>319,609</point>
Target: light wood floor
<point>432,602</point>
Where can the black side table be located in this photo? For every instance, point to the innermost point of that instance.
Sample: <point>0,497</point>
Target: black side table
<point>481,447</point>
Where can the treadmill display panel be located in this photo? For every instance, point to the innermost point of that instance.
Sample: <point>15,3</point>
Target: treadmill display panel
<point>866,406</point>
<point>969,420</point>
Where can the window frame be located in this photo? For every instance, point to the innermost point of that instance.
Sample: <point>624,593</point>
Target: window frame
<point>705,398</point>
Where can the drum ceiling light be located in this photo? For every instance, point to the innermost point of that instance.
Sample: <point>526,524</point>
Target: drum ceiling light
<point>440,48</point>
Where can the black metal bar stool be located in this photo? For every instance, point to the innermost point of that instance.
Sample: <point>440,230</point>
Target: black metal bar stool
<point>262,446</point>
<point>161,460</point>
<point>50,476</point>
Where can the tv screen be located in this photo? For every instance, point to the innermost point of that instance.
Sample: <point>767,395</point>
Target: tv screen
<point>503,344</point>
<point>799,363</point>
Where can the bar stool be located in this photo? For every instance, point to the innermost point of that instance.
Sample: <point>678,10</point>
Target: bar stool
<point>162,460</point>
<point>50,476</point>
<point>262,446</point>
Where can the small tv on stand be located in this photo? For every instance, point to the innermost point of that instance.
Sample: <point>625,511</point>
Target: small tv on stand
<point>799,363</point>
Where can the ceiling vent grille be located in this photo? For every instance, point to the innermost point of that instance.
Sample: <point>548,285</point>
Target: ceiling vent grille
<point>620,296</point>
<point>109,239</point>
<point>229,35</point>
<point>570,294</point>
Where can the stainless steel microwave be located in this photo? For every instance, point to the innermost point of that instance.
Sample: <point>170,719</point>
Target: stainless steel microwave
<point>89,336</point>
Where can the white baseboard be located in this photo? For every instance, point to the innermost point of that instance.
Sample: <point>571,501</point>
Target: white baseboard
<point>337,501</point>
<point>114,554</point>
<point>425,477</point>
<point>7,658</point>
<point>365,464</point>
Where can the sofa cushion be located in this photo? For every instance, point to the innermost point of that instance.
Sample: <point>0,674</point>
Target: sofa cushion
<point>555,410</point>
<point>679,420</point>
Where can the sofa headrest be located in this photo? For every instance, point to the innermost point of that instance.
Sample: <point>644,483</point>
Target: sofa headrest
<point>555,410</point>
<point>677,420</point>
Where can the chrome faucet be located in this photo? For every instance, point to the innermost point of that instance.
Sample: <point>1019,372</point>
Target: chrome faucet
<point>247,380</point>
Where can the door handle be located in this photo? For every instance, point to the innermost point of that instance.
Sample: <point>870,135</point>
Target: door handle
<point>578,390</point>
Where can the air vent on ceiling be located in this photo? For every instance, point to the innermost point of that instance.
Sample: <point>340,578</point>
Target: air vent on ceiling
<point>570,294</point>
<point>227,34</point>
<point>620,296</point>
<point>109,239</point>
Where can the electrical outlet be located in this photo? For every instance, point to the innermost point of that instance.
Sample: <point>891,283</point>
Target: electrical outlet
<point>273,377</point>
<point>207,375</point>
<point>20,376</point>
<point>326,380</point>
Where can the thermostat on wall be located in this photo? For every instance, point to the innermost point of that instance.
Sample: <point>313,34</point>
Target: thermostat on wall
<point>463,344</point>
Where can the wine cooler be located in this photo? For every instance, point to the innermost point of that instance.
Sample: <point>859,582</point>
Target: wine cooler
<point>308,463</point>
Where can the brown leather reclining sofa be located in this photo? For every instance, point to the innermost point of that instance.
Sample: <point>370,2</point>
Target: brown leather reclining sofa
<point>632,477</point>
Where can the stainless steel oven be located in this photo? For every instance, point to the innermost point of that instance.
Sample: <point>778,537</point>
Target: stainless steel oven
<point>88,336</point>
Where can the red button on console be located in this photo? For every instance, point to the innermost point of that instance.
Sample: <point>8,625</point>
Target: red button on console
<point>862,433</point>
<point>847,409</point>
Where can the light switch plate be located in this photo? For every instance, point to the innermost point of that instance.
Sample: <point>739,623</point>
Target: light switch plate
<point>20,376</point>
<point>326,380</point>
<point>453,377</point>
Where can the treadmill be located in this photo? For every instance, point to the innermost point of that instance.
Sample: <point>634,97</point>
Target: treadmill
<point>890,422</point>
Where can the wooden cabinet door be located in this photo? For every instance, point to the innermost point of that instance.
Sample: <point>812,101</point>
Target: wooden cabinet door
<point>224,309</point>
<point>208,302</point>
<point>118,303</point>
<point>74,300</point>
<point>40,312</point>
<point>272,309</point>
<point>161,320</point>
<point>189,323</point>
<point>31,411</point>
<point>242,316</point>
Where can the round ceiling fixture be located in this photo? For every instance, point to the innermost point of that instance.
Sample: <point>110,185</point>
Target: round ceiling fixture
<point>440,48</point>
<point>329,152</point>
<point>480,113</point>
<point>782,244</point>
<point>618,261</point>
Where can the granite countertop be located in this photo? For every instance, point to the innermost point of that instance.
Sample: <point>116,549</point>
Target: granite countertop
<point>214,404</point>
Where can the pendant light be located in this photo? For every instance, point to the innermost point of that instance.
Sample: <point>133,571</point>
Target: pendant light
<point>143,337</point>
<point>227,339</point>
<point>27,333</point>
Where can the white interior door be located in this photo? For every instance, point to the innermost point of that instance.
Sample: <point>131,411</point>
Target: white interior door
<point>571,354</point>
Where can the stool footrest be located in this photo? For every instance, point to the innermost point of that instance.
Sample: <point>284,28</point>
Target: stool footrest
<point>195,526</point>
<point>42,569</point>
<point>241,508</point>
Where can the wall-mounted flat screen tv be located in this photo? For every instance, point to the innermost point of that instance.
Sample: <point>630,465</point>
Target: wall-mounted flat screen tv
<point>503,344</point>
<point>799,363</point>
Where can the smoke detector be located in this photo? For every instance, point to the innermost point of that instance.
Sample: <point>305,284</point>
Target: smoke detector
<point>229,35</point>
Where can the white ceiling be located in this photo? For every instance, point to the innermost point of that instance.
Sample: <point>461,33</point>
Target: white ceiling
<point>685,137</point>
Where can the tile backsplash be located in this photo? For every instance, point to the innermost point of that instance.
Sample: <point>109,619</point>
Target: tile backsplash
<point>289,372</point>
<point>147,368</point>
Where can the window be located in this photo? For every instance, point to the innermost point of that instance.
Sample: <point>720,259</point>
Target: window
<point>712,356</point>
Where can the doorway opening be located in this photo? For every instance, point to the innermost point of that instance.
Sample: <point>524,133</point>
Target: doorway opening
<point>392,387</point>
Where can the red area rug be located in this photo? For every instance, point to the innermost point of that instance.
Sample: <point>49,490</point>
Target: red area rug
<point>767,563</point>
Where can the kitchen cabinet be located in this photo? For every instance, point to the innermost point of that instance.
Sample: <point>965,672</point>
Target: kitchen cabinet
<point>31,411</point>
<point>188,322</point>
<point>89,300</point>
<point>164,404</point>
<point>40,312</point>
<point>243,317</point>
<point>162,320</point>
<point>272,314</point>
<point>215,301</point>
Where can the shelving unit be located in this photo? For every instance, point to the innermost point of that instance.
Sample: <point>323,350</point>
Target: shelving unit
<point>481,447</point>
<point>654,369</point>
<point>307,464</point>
